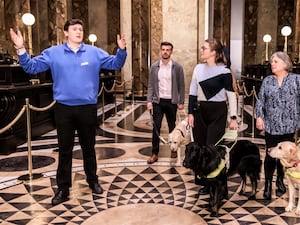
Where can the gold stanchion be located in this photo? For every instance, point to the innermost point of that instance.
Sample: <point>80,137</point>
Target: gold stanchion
<point>30,176</point>
<point>115,89</point>
<point>253,110</point>
<point>103,112</point>
<point>243,106</point>
<point>124,94</point>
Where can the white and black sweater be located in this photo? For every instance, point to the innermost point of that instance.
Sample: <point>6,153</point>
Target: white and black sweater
<point>212,83</point>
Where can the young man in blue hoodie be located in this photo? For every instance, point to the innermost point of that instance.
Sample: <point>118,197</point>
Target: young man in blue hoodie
<point>75,68</point>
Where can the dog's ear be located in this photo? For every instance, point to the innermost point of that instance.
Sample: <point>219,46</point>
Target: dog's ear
<point>294,152</point>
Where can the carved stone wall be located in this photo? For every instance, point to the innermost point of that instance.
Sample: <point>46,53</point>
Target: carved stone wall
<point>266,24</point>
<point>113,23</point>
<point>155,28</point>
<point>286,17</point>
<point>80,10</point>
<point>250,31</point>
<point>221,30</point>
<point>140,47</point>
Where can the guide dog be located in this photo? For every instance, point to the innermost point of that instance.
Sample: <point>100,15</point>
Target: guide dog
<point>214,164</point>
<point>289,155</point>
<point>178,138</point>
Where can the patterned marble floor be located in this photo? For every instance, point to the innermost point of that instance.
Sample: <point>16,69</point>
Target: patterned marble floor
<point>135,193</point>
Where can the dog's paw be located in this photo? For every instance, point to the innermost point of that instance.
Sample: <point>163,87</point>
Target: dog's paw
<point>252,197</point>
<point>289,208</point>
<point>297,211</point>
<point>214,214</point>
<point>242,192</point>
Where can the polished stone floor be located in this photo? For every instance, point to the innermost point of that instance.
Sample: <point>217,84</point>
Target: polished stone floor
<point>134,193</point>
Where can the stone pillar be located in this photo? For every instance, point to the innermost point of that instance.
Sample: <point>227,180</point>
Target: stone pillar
<point>237,36</point>
<point>266,24</point>
<point>297,32</point>
<point>181,27</point>
<point>126,25</point>
<point>156,26</point>
<point>140,40</point>
<point>98,22</point>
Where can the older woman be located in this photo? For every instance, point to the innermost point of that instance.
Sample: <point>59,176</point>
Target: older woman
<point>278,114</point>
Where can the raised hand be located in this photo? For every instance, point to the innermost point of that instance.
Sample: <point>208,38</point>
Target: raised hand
<point>121,41</point>
<point>16,38</point>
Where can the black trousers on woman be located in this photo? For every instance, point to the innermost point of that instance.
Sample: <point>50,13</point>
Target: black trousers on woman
<point>210,120</point>
<point>68,120</point>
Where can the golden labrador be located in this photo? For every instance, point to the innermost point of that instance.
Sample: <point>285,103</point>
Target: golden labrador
<point>178,138</point>
<point>289,155</point>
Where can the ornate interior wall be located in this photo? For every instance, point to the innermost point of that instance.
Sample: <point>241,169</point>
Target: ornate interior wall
<point>221,23</point>
<point>268,17</point>
<point>181,22</point>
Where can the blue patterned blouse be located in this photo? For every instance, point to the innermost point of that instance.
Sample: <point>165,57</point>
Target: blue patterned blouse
<point>279,106</point>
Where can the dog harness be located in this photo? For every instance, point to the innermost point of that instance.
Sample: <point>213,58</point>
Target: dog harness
<point>216,172</point>
<point>295,174</point>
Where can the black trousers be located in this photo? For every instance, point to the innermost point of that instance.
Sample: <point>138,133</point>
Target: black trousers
<point>209,122</point>
<point>68,120</point>
<point>270,164</point>
<point>209,125</point>
<point>165,107</point>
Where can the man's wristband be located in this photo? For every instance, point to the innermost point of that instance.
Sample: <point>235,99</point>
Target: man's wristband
<point>21,50</point>
<point>18,48</point>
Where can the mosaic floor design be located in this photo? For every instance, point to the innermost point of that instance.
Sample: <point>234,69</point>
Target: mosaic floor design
<point>123,145</point>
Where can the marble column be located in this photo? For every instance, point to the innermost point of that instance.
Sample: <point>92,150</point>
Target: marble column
<point>98,22</point>
<point>125,25</point>
<point>183,25</point>
<point>297,32</point>
<point>237,36</point>
<point>266,24</point>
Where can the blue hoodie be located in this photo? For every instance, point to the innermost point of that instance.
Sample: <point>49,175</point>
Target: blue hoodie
<point>75,75</point>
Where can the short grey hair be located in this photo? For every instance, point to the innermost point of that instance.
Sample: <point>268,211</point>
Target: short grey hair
<point>285,58</point>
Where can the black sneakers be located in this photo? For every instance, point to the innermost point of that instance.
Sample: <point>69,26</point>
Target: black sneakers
<point>60,196</point>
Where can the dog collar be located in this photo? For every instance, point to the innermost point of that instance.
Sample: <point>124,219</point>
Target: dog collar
<point>296,163</point>
<point>217,171</point>
<point>295,174</point>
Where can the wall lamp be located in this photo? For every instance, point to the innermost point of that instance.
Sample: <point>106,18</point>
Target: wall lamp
<point>286,31</point>
<point>267,38</point>
<point>28,19</point>
<point>92,38</point>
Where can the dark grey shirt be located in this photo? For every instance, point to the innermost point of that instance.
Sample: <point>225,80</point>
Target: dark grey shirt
<point>279,106</point>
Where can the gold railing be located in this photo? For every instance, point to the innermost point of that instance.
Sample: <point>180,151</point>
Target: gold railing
<point>27,107</point>
<point>117,84</point>
<point>247,94</point>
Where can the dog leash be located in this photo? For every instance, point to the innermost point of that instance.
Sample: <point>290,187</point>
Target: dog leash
<point>231,135</point>
<point>155,129</point>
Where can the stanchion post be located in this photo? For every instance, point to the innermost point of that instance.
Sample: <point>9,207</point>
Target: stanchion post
<point>29,138</point>
<point>253,111</point>
<point>243,104</point>
<point>30,176</point>
<point>132,91</point>
<point>124,94</point>
<point>115,82</point>
<point>103,112</point>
